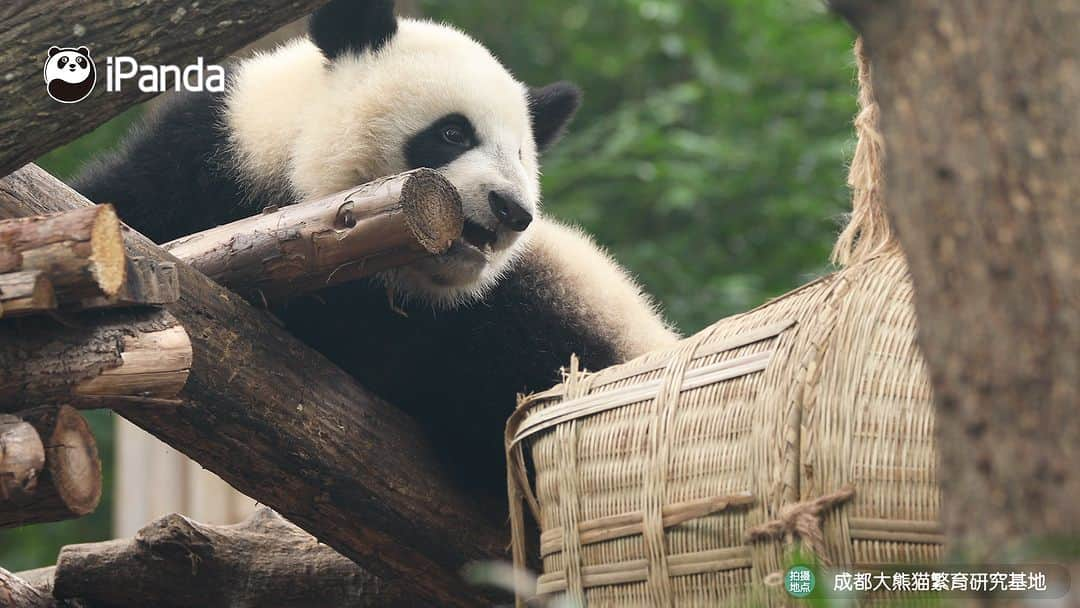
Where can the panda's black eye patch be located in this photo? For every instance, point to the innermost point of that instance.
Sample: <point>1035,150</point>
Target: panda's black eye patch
<point>62,62</point>
<point>441,142</point>
<point>81,62</point>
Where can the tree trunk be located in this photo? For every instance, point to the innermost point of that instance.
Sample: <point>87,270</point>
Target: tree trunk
<point>386,223</point>
<point>175,562</point>
<point>979,117</point>
<point>156,33</point>
<point>70,485</point>
<point>283,425</point>
<point>106,359</point>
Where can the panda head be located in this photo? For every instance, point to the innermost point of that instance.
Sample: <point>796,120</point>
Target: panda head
<point>70,65</point>
<point>401,94</point>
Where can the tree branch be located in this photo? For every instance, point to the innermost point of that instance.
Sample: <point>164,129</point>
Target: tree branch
<point>175,562</point>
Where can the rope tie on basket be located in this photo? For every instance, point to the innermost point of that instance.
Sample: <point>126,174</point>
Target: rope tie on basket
<point>666,404</point>
<point>577,384</point>
<point>803,520</point>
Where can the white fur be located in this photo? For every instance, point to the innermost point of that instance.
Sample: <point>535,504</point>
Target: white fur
<point>322,128</point>
<point>592,286</point>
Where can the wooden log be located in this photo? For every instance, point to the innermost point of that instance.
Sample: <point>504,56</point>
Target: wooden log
<point>39,578</point>
<point>99,359</point>
<point>175,562</point>
<point>164,32</point>
<point>22,458</point>
<point>70,484</point>
<point>345,236</point>
<point>25,292</point>
<point>286,427</point>
<point>32,589</point>
<point>17,593</point>
<point>80,251</point>
<point>146,282</point>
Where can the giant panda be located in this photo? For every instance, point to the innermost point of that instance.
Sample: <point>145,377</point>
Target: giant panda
<point>450,339</point>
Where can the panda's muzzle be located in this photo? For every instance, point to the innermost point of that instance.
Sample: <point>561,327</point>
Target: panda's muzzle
<point>478,236</point>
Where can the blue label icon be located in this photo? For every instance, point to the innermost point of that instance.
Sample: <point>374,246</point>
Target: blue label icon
<point>799,581</point>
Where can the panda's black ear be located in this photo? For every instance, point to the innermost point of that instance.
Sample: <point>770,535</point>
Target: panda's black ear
<point>352,25</point>
<point>82,50</point>
<point>53,50</point>
<point>551,107</point>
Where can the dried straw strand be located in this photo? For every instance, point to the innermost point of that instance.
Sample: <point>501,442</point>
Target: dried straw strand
<point>868,231</point>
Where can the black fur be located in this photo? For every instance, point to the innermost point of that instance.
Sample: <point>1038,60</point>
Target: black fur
<point>173,175</point>
<point>429,148</point>
<point>352,26</point>
<point>457,372</point>
<point>551,107</point>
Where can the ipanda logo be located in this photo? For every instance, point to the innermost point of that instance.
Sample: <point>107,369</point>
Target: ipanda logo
<point>70,75</point>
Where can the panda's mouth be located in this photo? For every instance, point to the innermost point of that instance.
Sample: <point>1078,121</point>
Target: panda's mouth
<point>478,236</point>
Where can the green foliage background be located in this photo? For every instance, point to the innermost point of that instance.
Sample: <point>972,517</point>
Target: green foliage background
<point>709,156</point>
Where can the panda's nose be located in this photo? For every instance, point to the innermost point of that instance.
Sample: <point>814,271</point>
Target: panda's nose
<point>509,212</point>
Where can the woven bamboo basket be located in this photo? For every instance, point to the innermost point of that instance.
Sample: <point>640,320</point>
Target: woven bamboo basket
<point>686,477</point>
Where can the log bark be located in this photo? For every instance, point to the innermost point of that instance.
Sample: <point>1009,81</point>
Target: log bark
<point>173,32</point>
<point>175,562</point>
<point>22,458</point>
<point>25,292</point>
<point>146,283</point>
<point>978,109</point>
<point>39,578</point>
<point>32,589</point>
<point>70,483</point>
<point>97,359</point>
<point>81,251</point>
<point>351,234</point>
<point>17,593</point>
<point>286,427</point>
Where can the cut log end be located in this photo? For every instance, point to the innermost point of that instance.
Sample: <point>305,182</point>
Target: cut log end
<point>22,457</point>
<point>69,484</point>
<point>433,222</point>
<point>71,459</point>
<point>107,251</point>
<point>74,463</point>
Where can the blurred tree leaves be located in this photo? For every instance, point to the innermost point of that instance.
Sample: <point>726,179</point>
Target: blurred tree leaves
<point>710,153</point>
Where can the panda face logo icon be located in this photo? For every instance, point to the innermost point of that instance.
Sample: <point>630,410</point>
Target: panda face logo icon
<point>70,74</point>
